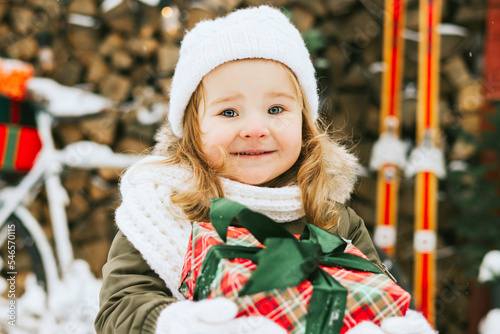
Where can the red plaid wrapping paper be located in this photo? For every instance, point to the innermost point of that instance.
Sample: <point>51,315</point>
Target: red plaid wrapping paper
<point>370,296</point>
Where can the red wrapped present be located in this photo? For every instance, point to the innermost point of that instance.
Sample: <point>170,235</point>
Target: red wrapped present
<point>320,284</point>
<point>19,139</point>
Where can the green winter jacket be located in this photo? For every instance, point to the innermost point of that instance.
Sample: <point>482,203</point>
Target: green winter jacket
<point>133,295</point>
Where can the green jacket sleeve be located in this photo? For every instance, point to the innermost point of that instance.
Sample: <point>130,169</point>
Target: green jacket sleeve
<point>132,295</point>
<point>352,227</point>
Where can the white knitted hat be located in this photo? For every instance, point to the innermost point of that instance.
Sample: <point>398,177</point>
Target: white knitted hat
<point>259,32</point>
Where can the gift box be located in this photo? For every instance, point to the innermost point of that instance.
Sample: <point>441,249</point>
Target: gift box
<point>315,283</point>
<point>19,139</point>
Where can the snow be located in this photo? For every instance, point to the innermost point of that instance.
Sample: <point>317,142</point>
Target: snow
<point>157,113</point>
<point>71,308</point>
<point>108,5</point>
<point>64,101</point>
<point>491,323</point>
<point>9,65</point>
<point>489,270</point>
<point>151,3</point>
<point>81,20</point>
<point>452,30</point>
<point>388,149</point>
<point>458,166</point>
<point>426,159</point>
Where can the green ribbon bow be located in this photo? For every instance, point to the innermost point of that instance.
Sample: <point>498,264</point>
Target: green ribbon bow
<point>284,262</point>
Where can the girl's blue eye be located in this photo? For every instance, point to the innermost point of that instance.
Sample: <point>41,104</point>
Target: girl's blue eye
<point>229,113</point>
<point>275,110</point>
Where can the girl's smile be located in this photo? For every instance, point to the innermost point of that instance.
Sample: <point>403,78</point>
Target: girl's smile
<point>251,153</point>
<point>250,110</point>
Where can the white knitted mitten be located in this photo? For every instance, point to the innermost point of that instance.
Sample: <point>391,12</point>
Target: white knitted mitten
<point>365,327</point>
<point>412,323</point>
<point>211,316</point>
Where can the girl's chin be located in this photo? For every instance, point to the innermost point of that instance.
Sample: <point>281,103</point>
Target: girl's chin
<point>264,178</point>
<point>251,180</point>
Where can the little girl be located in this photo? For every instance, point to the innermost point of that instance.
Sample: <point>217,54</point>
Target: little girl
<point>242,125</point>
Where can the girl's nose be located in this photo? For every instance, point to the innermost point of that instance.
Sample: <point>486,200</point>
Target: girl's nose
<point>255,128</point>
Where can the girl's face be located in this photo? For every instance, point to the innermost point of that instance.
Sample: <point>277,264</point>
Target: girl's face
<point>250,109</point>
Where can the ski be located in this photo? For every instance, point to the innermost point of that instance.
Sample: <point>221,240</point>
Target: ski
<point>389,152</point>
<point>426,161</point>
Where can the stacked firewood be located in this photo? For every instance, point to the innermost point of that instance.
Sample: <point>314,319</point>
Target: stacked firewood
<point>126,50</point>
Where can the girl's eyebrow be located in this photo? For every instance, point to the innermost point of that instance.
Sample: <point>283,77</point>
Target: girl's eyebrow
<point>230,98</point>
<point>281,94</point>
<point>225,99</point>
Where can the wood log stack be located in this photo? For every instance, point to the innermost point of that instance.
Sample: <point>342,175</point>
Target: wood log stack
<point>126,50</point>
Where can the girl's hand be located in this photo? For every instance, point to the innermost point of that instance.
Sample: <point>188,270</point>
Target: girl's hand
<point>209,316</point>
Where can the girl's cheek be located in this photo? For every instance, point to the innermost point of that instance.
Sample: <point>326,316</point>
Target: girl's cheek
<point>212,151</point>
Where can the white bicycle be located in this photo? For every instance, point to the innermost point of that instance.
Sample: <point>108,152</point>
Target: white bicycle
<point>61,296</point>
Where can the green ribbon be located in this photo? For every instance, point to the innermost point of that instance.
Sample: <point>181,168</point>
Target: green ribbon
<point>284,262</point>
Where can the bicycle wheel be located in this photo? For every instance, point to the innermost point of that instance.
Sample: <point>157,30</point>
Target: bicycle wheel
<point>24,231</point>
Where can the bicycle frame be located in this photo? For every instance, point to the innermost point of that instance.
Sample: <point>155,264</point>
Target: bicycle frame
<point>47,170</point>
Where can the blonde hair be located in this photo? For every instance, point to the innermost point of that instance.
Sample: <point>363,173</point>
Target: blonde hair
<point>312,171</point>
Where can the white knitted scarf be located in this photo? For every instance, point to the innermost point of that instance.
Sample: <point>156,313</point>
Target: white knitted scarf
<point>155,226</point>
